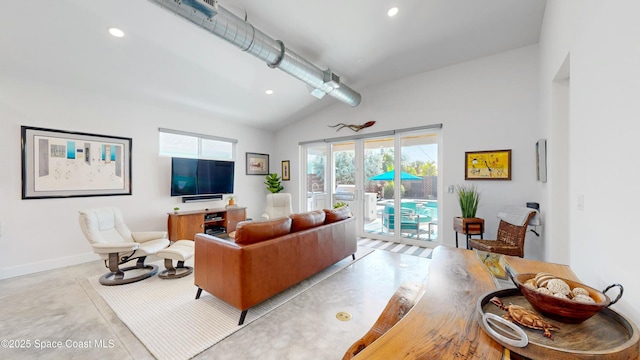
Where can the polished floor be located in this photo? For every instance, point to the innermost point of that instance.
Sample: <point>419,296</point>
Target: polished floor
<point>57,315</point>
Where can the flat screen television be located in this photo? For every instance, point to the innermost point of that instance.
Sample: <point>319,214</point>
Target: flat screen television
<point>201,177</point>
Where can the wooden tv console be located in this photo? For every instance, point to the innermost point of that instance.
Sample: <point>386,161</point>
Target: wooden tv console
<point>184,225</point>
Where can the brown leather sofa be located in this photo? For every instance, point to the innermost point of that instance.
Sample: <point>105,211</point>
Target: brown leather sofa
<point>269,257</point>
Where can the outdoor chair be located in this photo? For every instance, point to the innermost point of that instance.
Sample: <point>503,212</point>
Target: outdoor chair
<point>409,219</point>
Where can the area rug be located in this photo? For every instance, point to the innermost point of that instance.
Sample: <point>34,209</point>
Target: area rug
<point>166,318</point>
<point>396,247</point>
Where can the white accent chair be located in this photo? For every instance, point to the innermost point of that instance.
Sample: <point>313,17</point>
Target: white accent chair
<point>278,205</point>
<point>116,244</point>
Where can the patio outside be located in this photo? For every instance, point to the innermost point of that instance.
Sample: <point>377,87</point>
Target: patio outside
<point>418,186</point>
<point>419,219</point>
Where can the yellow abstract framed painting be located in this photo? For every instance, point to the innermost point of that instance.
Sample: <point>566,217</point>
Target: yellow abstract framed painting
<point>487,165</point>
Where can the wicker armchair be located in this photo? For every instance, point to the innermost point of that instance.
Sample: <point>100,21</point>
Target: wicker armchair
<point>510,239</point>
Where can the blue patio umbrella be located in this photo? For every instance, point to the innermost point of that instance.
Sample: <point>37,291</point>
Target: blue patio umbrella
<point>390,175</point>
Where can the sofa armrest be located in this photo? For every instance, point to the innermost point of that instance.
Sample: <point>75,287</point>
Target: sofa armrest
<point>142,236</point>
<point>110,248</point>
<point>217,268</point>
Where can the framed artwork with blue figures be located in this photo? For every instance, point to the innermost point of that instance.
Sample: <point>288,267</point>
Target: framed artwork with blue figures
<point>59,164</point>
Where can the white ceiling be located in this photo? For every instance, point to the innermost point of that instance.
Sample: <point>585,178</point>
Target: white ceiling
<point>166,60</point>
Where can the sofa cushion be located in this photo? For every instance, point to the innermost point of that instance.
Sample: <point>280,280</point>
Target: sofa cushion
<point>333,215</point>
<point>253,232</point>
<point>307,220</point>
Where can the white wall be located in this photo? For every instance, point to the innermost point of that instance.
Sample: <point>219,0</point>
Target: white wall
<point>486,104</point>
<point>600,39</point>
<point>40,234</point>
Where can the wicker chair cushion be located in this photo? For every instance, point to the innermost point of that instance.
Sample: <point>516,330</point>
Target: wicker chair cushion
<point>496,246</point>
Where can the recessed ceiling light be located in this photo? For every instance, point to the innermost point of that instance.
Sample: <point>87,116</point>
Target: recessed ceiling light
<point>269,92</point>
<point>393,11</point>
<point>116,32</point>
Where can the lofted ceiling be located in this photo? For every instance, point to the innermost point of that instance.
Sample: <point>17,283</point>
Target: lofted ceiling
<point>166,60</point>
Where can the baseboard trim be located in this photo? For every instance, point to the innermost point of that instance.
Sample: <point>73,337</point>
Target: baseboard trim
<point>35,267</point>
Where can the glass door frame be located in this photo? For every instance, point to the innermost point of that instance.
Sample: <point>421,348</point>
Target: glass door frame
<point>360,197</point>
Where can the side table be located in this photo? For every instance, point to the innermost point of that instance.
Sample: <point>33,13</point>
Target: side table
<point>468,227</point>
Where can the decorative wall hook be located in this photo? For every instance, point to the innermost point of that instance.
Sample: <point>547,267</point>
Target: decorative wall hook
<point>353,127</point>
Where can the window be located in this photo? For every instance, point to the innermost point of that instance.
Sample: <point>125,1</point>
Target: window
<point>191,145</point>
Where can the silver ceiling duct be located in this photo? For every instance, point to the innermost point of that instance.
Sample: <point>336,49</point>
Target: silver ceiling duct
<point>214,18</point>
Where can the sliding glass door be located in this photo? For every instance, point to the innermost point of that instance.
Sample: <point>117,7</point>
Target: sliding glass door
<point>344,169</point>
<point>400,206</point>
<point>315,191</point>
<point>419,189</point>
<point>406,201</point>
<point>378,163</point>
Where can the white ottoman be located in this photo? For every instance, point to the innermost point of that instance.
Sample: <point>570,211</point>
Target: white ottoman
<point>181,251</point>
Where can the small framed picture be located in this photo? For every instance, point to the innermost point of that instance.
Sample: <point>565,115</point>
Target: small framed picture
<point>286,174</point>
<point>257,164</point>
<point>487,165</point>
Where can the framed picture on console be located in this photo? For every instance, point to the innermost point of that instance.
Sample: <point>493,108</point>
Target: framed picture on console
<point>257,164</point>
<point>60,164</point>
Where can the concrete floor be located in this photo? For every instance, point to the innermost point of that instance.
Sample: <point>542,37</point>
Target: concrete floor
<point>57,314</point>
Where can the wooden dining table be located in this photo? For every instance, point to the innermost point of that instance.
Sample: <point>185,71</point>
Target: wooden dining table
<point>444,322</point>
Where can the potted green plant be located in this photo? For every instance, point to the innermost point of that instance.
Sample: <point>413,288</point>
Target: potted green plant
<point>273,183</point>
<point>175,209</point>
<point>231,201</point>
<point>339,205</point>
<point>468,198</point>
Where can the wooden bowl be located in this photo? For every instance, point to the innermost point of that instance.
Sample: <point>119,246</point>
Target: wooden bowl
<point>565,310</point>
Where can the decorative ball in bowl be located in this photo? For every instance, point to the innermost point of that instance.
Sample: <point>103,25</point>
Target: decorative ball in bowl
<point>562,299</point>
